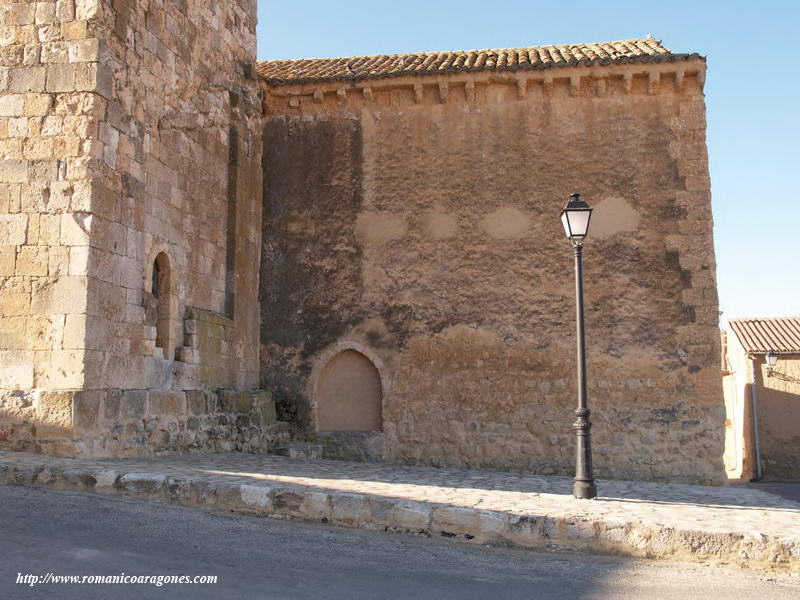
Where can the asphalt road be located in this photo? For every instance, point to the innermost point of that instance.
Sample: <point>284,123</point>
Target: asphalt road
<point>71,533</point>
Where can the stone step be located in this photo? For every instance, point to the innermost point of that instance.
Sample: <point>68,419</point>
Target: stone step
<point>307,450</point>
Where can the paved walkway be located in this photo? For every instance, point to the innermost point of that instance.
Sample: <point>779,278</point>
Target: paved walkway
<point>785,489</point>
<point>721,524</point>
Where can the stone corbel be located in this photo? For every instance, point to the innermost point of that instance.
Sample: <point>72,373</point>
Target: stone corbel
<point>341,93</point>
<point>419,97</point>
<point>600,86</point>
<point>522,88</point>
<point>653,79</point>
<point>574,85</point>
<point>547,86</point>
<point>319,95</point>
<point>627,82</point>
<point>701,78</point>
<point>469,89</point>
<point>444,92</point>
<point>368,95</point>
<point>680,79</point>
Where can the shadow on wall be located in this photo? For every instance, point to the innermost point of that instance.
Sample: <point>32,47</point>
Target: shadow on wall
<point>787,378</point>
<point>35,423</point>
<point>779,431</point>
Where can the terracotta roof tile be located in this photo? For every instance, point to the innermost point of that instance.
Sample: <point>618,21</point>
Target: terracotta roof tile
<point>317,70</point>
<point>762,335</point>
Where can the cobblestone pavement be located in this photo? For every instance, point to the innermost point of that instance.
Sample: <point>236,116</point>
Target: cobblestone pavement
<point>785,489</point>
<point>727,524</point>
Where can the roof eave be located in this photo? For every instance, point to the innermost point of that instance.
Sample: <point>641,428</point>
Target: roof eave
<point>659,58</point>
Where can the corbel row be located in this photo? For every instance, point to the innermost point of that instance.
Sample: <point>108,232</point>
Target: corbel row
<point>546,80</point>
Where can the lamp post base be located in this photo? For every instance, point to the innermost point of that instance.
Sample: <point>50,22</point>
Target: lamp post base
<point>584,490</point>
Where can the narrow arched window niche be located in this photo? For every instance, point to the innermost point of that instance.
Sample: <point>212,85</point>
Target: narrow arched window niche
<point>161,290</point>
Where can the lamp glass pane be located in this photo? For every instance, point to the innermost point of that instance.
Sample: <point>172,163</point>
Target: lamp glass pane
<point>579,222</point>
<point>772,359</point>
<point>565,222</point>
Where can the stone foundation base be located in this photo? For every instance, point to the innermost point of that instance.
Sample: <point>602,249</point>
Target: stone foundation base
<point>116,423</point>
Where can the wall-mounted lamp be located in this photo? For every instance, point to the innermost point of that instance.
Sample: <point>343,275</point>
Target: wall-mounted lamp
<point>772,360</point>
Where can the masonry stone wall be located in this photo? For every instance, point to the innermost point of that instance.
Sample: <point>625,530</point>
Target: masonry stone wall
<point>126,139</point>
<point>428,233</point>
<point>104,423</point>
<point>48,121</point>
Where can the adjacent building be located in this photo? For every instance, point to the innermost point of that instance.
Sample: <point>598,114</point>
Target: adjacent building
<point>762,401</point>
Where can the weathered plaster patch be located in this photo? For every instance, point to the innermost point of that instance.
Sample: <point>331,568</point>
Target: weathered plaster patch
<point>379,228</point>
<point>613,215</point>
<point>440,226</point>
<point>506,224</point>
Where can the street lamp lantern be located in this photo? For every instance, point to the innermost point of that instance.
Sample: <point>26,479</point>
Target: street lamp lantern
<point>575,218</point>
<point>772,360</point>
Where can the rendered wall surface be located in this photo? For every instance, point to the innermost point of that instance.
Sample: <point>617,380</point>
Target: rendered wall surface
<point>428,233</point>
<point>777,415</point>
<point>779,418</point>
<point>125,135</point>
<point>737,384</point>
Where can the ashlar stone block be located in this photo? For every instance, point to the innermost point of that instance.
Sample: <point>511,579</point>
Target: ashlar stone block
<point>65,295</point>
<point>61,78</point>
<point>59,369</point>
<point>16,369</point>
<point>12,105</point>
<point>54,414</point>
<point>26,79</point>
<point>13,228</point>
<point>13,171</point>
<point>8,256</point>
<point>32,261</point>
<point>74,30</point>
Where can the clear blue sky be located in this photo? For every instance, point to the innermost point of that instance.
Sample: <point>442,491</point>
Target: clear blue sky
<point>752,94</point>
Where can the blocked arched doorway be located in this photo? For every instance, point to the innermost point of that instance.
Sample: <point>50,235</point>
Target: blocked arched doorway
<point>349,394</point>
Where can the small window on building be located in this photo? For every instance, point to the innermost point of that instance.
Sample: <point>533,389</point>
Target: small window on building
<point>161,291</point>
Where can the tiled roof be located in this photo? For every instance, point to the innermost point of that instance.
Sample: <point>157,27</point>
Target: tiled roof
<point>355,68</point>
<point>763,335</point>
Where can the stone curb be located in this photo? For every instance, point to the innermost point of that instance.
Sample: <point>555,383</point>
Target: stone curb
<point>347,509</point>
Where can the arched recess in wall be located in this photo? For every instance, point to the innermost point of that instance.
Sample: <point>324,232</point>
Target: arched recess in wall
<point>349,394</point>
<point>162,290</point>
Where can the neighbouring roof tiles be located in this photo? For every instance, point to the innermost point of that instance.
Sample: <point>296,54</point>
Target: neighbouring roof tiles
<point>356,68</point>
<point>780,334</point>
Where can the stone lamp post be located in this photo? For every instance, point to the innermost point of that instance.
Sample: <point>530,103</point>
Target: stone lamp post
<point>575,217</point>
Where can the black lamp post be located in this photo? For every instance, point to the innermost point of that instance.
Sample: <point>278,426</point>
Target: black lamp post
<point>575,217</point>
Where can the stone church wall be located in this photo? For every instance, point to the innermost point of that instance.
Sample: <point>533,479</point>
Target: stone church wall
<point>428,234</point>
<point>129,199</point>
